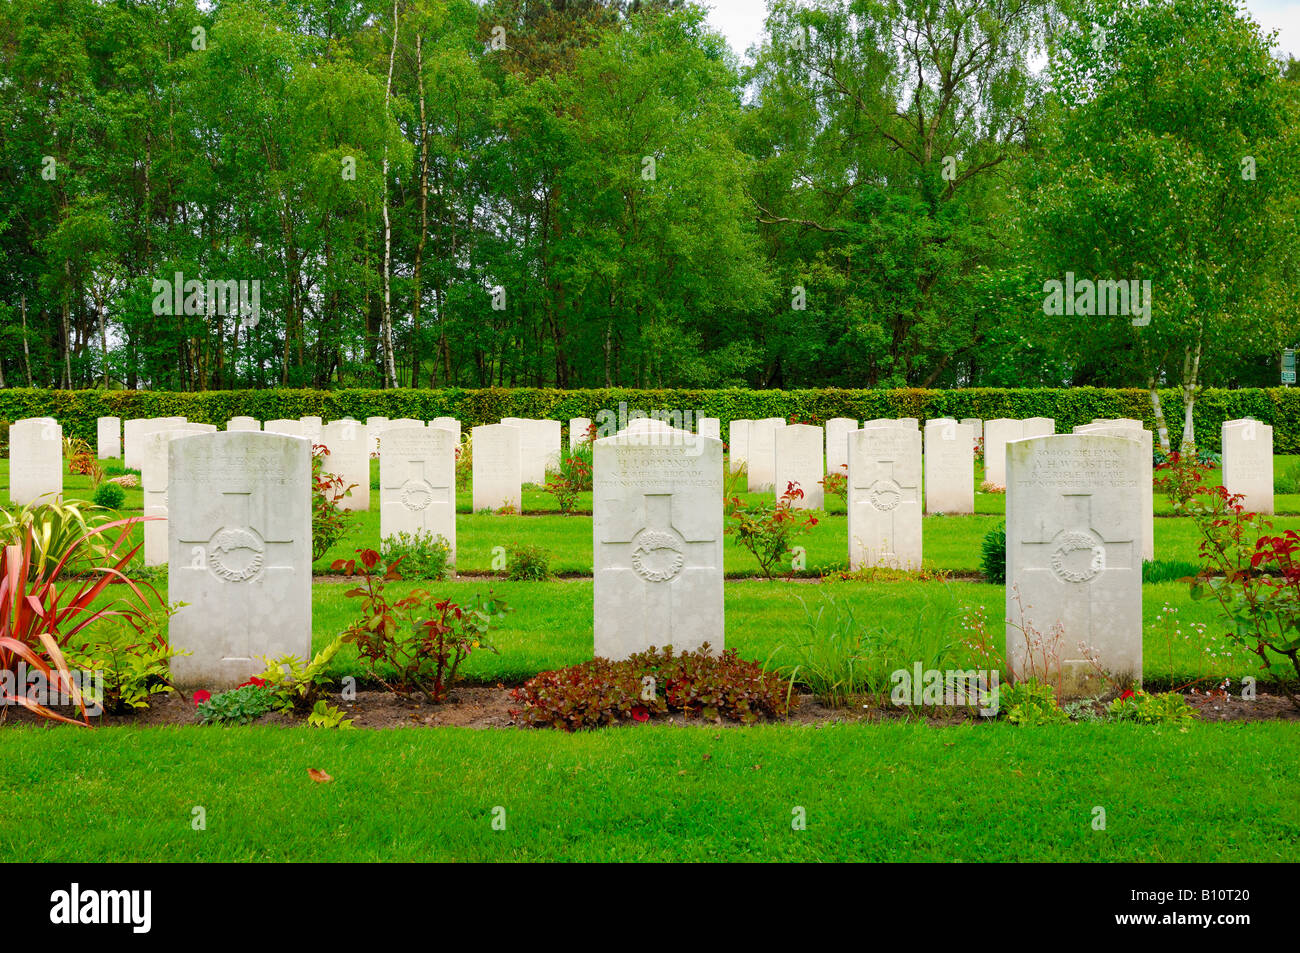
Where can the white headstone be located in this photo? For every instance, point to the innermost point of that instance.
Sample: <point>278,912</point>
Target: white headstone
<point>243,423</point>
<point>153,481</point>
<point>578,431</point>
<point>447,423</point>
<point>885,497</point>
<point>762,454</point>
<point>658,541</point>
<point>135,431</point>
<point>495,464</point>
<point>837,443</point>
<point>799,460</point>
<point>997,433</point>
<point>1118,428</point>
<point>312,427</point>
<point>417,480</point>
<point>374,427</point>
<point>539,447</point>
<point>108,437</point>
<point>290,428</point>
<point>976,425</point>
<point>710,427</point>
<point>349,458</point>
<point>949,467</point>
<point>1248,463</point>
<point>35,460</point>
<point>738,448</point>
<point>239,553</point>
<point>1074,562</point>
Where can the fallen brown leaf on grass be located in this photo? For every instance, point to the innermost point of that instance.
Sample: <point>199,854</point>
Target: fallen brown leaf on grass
<point>317,775</point>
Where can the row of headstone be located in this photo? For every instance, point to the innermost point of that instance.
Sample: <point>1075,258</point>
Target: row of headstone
<point>1073,549</point>
<point>239,542</point>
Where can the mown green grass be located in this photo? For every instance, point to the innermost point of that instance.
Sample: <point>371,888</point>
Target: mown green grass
<point>901,792</point>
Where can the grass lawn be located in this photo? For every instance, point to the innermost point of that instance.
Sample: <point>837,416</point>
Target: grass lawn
<point>872,793</point>
<point>898,791</point>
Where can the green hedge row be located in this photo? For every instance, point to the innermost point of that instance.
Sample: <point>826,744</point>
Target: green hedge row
<point>77,410</point>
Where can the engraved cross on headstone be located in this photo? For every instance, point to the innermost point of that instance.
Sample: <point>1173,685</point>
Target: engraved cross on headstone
<point>237,505</point>
<point>888,480</point>
<point>658,552</point>
<point>1075,556</point>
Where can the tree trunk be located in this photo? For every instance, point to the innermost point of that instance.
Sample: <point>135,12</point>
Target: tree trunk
<point>1162,429</point>
<point>1191,368</point>
<point>424,217</point>
<point>66,379</point>
<point>27,356</point>
<point>386,318</point>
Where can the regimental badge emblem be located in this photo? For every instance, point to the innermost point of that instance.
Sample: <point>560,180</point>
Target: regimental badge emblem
<point>885,494</point>
<point>236,555</point>
<point>657,556</point>
<point>416,494</point>
<point>1078,557</point>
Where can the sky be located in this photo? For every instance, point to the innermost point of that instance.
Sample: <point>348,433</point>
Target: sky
<point>741,21</point>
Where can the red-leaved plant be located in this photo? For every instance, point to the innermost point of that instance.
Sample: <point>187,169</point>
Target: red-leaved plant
<point>329,521</point>
<point>416,643</point>
<point>655,682</point>
<point>41,611</point>
<point>767,529</point>
<point>1253,575</point>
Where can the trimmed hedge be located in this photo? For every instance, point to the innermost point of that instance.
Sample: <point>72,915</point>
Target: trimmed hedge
<point>77,410</point>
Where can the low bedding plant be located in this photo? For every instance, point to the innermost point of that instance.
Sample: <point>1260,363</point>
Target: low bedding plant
<point>656,682</point>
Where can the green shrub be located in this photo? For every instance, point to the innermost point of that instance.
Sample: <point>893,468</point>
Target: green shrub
<point>134,662</point>
<point>1165,708</point>
<point>1029,703</point>
<point>768,528</point>
<point>422,555</point>
<point>572,478</point>
<point>110,496</point>
<point>993,554</point>
<point>528,564</point>
<point>655,682</point>
<point>576,465</point>
<point>296,685</point>
<point>239,706</point>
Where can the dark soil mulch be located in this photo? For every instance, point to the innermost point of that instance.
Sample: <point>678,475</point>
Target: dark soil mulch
<point>488,706</point>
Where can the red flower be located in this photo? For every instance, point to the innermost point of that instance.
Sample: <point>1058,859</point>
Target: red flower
<point>201,696</point>
<point>1125,695</point>
<point>259,682</point>
<point>640,714</point>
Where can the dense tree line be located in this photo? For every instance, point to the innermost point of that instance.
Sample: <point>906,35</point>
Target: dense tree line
<point>587,193</point>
